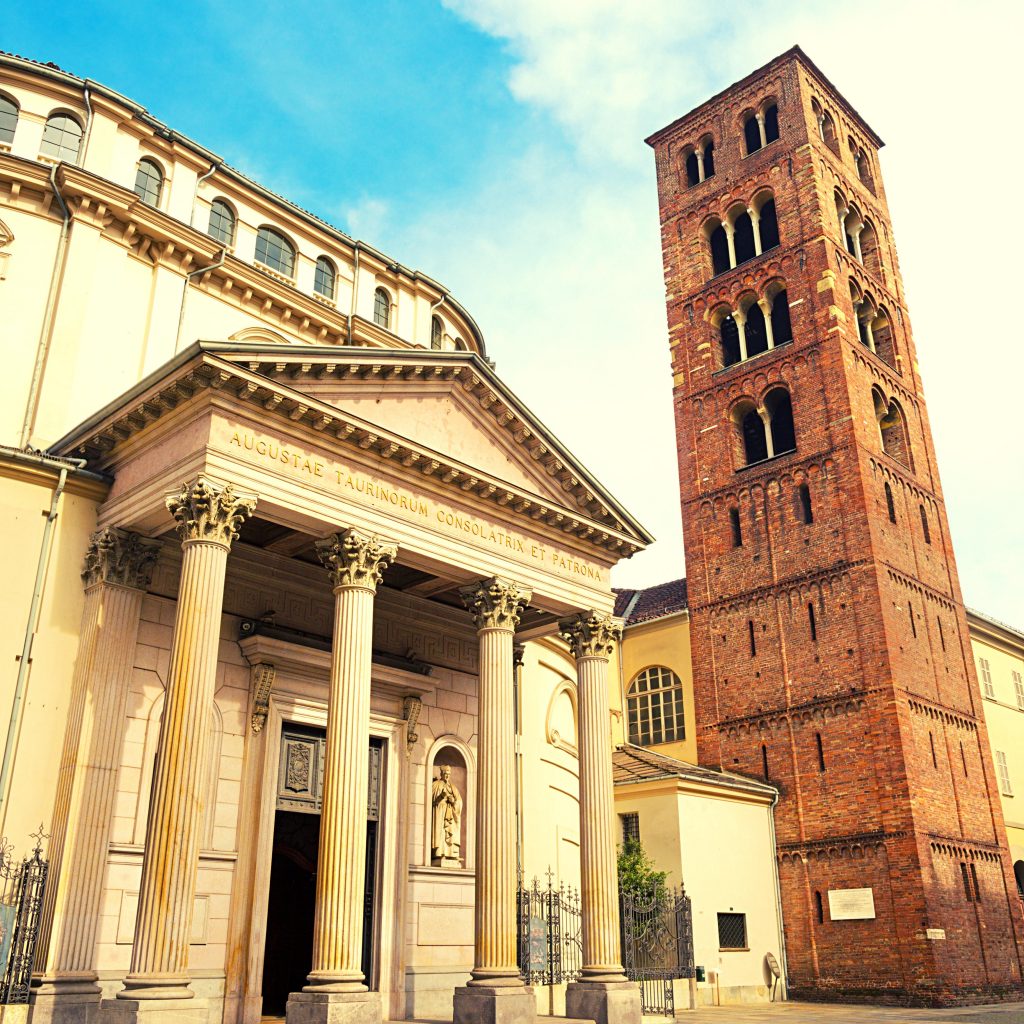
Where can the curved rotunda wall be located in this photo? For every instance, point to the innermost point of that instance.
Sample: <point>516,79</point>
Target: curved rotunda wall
<point>125,293</point>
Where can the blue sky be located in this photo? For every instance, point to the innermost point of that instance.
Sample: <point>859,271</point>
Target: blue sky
<point>497,145</point>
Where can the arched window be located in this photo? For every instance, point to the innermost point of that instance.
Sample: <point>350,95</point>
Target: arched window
<point>8,119</point>
<point>752,434</point>
<point>222,222</point>
<point>1018,874</point>
<point>782,328</point>
<point>881,331</point>
<point>436,332</point>
<point>864,169</point>
<point>709,159</point>
<point>869,249</point>
<point>275,251</point>
<point>768,226</point>
<point>924,525</point>
<point>149,181</point>
<point>890,505</point>
<point>752,134</point>
<point>755,332</point>
<point>743,238</point>
<point>779,407</point>
<point>324,277</point>
<point>730,335</point>
<point>771,123</point>
<point>62,138</point>
<point>735,527</point>
<point>382,308</point>
<point>655,707</point>
<point>692,169</point>
<point>719,242</point>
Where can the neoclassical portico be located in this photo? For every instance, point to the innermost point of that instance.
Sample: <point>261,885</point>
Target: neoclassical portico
<point>491,524</point>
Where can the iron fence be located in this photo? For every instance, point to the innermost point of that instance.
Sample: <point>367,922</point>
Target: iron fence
<point>550,933</point>
<point>22,886</point>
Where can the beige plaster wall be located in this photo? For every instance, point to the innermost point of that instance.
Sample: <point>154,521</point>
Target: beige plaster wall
<point>25,497</point>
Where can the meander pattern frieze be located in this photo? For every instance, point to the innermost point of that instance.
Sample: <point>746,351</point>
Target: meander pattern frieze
<point>205,511</point>
<point>590,634</point>
<point>120,557</point>
<point>496,603</point>
<point>350,430</point>
<point>355,559</point>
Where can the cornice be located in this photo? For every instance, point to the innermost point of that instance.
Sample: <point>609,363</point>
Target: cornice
<point>995,633</point>
<point>257,377</point>
<point>840,703</point>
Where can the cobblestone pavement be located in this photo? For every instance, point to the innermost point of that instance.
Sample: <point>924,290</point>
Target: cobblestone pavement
<point>817,1013</point>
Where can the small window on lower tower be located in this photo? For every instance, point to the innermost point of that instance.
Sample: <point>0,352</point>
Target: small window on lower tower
<point>806,511</point>
<point>630,828</point>
<point>732,931</point>
<point>890,504</point>
<point>735,527</point>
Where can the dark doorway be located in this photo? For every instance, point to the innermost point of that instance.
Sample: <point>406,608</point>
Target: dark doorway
<point>291,905</point>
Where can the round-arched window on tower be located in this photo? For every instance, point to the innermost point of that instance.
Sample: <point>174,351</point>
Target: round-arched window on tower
<point>655,707</point>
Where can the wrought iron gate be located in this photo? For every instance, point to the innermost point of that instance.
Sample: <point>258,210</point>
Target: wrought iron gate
<point>657,943</point>
<point>550,947</point>
<point>21,904</point>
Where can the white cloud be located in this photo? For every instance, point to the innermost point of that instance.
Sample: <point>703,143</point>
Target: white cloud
<point>558,256</point>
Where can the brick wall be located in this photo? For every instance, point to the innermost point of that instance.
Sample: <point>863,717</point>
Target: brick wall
<point>868,717</point>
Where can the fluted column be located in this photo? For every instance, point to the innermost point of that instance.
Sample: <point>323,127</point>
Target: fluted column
<point>117,572</point>
<point>496,990</point>
<point>603,994</point>
<point>208,518</point>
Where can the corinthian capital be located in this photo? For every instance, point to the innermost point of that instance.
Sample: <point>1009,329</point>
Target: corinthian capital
<point>496,603</point>
<point>355,559</point>
<point>206,511</point>
<point>120,557</point>
<point>590,635</point>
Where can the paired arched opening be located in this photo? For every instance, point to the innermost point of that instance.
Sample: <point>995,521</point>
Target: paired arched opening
<point>761,127</point>
<point>859,235</point>
<point>699,161</point>
<point>863,165</point>
<point>746,232</point>
<point>874,326</point>
<point>764,431</point>
<point>826,126</point>
<point>757,326</point>
<point>892,429</point>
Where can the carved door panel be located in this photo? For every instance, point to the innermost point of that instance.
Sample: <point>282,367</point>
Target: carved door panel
<point>300,774</point>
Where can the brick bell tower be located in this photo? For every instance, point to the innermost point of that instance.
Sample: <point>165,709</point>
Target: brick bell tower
<point>830,646</point>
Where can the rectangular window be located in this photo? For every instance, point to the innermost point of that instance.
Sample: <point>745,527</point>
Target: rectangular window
<point>1003,770</point>
<point>986,677</point>
<point>1018,687</point>
<point>630,828</point>
<point>732,931</point>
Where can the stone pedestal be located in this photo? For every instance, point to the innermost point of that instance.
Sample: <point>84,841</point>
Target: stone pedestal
<point>208,518</point>
<point>159,1011</point>
<point>496,991</point>
<point>603,993</point>
<point>117,571</point>
<point>311,1007</point>
<point>335,989</point>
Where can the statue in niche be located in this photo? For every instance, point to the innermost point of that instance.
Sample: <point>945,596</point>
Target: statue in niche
<point>445,834</point>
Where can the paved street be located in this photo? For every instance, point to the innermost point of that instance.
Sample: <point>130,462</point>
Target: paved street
<point>816,1013</point>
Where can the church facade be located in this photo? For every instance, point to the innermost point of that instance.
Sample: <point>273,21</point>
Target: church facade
<point>315,616</point>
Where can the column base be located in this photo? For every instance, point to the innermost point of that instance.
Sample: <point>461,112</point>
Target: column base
<point>514,1004</point>
<point>334,1008</point>
<point>157,1011</point>
<point>66,999</point>
<point>604,1002</point>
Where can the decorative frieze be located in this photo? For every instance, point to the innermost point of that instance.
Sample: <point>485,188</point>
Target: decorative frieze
<point>120,557</point>
<point>355,559</point>
<point>206,511</point>
<point>590,634</point>
<point>496,603</point>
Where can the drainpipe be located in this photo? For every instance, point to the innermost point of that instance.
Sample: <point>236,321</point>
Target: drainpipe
<point>88,124</point>
<point>17,706</point>
<point>355,285</point>
<point>784,966</point>
<point>195,194</point>
<point>219,262</point>
<point>49,315</point>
